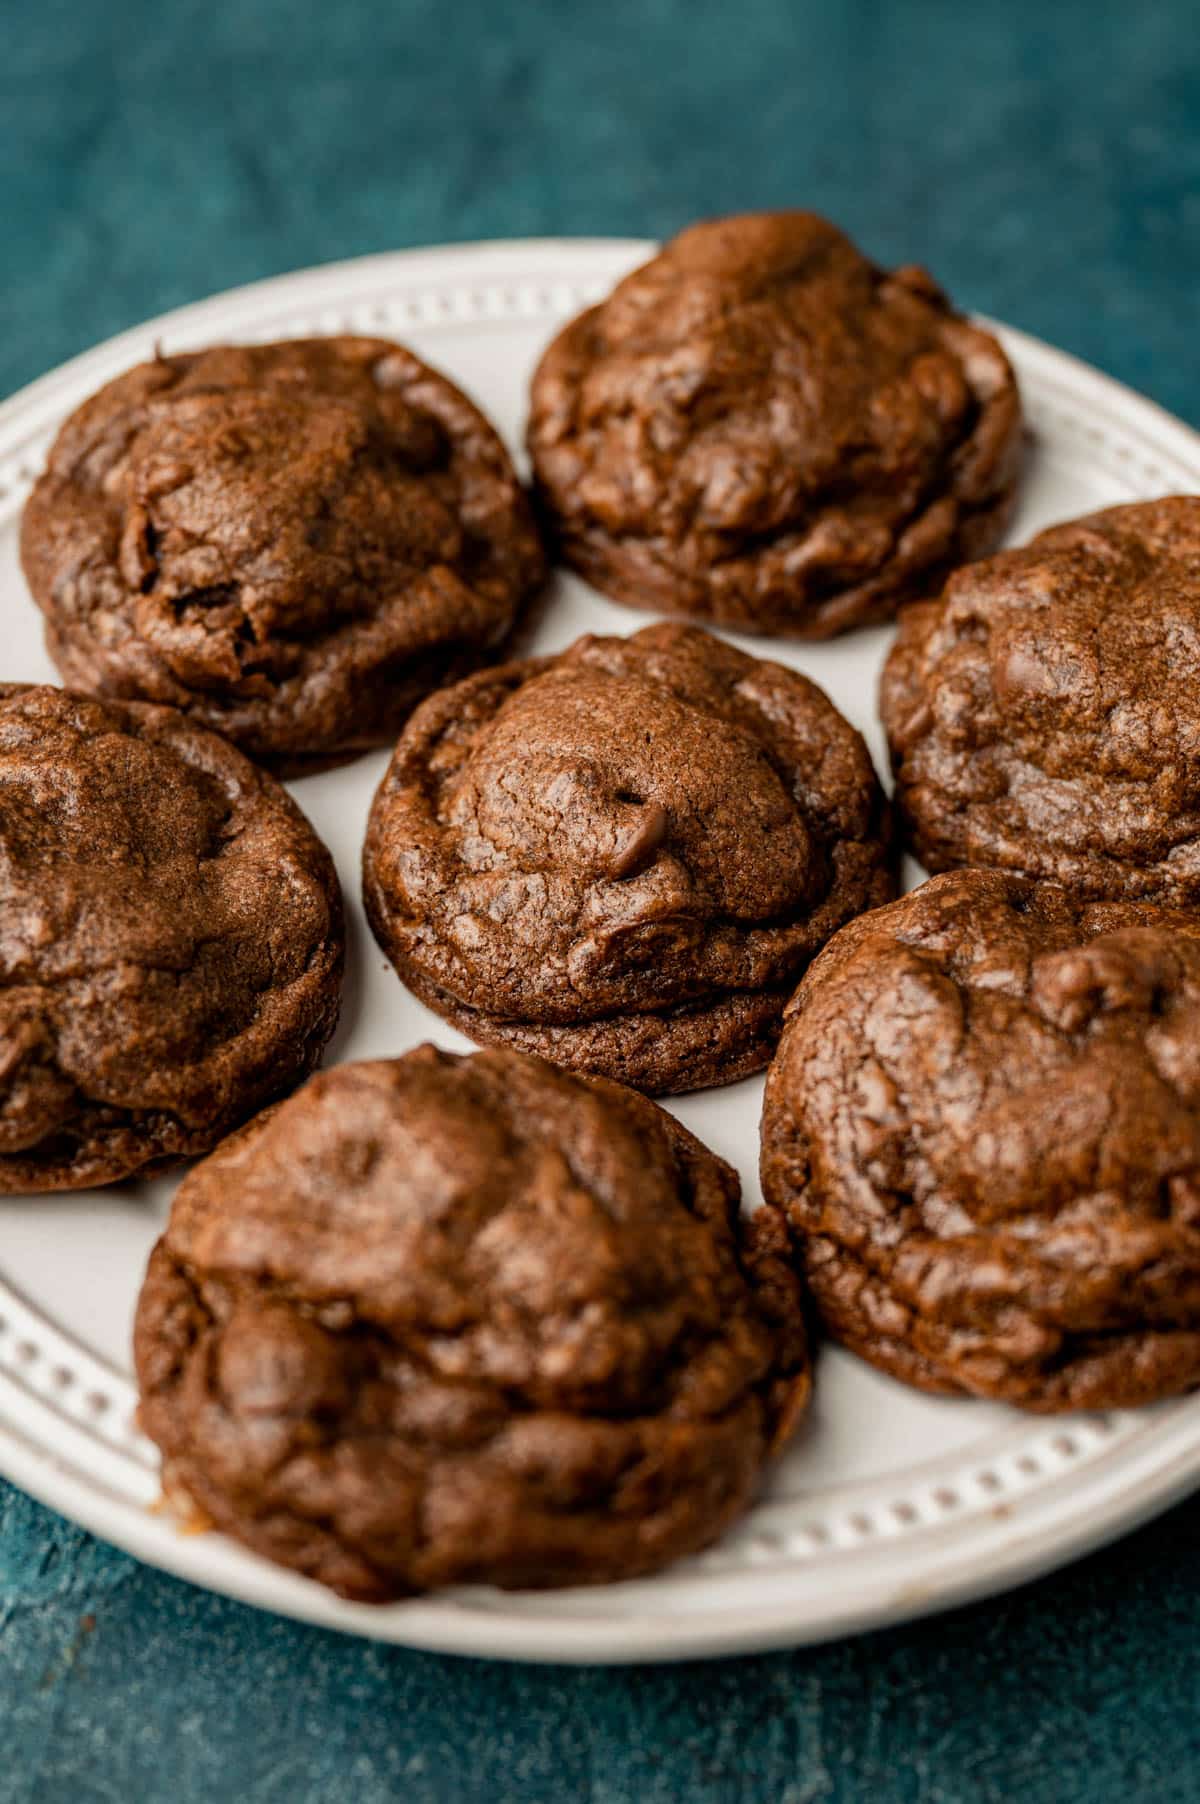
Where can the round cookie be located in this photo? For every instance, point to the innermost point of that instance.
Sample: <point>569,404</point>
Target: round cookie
<point>623,857</point>
<point>983,1124</point>
<point>171,939</point>
<point>438,1320</point>
<point>292,542</point>
<point>1044,712</point>
<point>761,428</point>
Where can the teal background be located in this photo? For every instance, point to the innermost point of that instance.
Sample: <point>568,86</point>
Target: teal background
<point>1044,159</point>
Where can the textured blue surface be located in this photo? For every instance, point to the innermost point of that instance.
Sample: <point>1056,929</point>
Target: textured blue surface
<point>1044,159</point>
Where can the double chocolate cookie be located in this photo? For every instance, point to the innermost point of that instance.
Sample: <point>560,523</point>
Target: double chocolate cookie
<point>292,542</point>
<point>759,427</point>
<point>623,857</point>
<point>983,1123</point>
<point>1044,712</point>
<point>170,939</point>
<point>437,1320</point>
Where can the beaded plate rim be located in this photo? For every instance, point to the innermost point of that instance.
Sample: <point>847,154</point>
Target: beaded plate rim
<point>804,1565</point>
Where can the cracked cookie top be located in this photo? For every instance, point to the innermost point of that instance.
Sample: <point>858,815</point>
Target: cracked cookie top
<point>439,1319</point>
<point>292,542</point>
<point>983,1123</point>
<point>170,939</point>
<point>625,855</point>
<point>1044,712</point>
<point>759,427</point>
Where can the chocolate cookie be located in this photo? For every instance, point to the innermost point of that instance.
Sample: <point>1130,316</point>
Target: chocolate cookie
<point>623,857</point>
<point>761,428</point>
<point>438,1320</point>
<point>292,542</point>
<point>1044,713</point>
<point>983,1123</point>
<point>170,939</point>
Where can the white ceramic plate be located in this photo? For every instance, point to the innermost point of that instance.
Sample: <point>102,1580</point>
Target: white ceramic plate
<point>891,1504</point>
